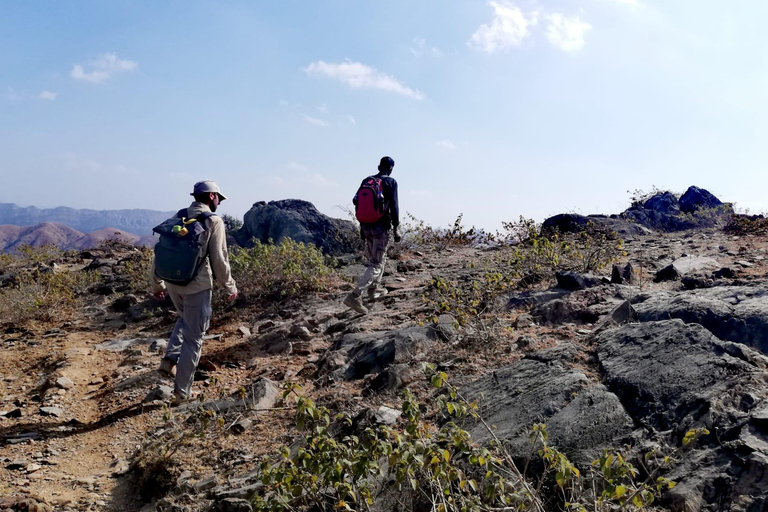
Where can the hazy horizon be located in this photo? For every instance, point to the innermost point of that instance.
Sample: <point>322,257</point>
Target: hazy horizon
<point>492,109</point>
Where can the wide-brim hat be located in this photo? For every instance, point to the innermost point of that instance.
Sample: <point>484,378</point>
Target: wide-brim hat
<point>206,186</point>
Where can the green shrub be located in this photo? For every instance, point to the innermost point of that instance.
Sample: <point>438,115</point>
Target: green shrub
<point>275,272</point>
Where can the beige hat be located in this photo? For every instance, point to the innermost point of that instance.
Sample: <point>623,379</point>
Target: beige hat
<point>205,186</point>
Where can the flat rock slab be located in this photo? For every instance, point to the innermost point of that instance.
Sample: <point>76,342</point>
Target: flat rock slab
<point>582,418</point>
<point>672,377</point>
<point>733,313</point>
<point>119,344</point>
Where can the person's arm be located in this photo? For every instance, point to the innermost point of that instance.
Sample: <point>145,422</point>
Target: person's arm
<point>394,211</point>
<point>157,284</point>
<point>217,251</point>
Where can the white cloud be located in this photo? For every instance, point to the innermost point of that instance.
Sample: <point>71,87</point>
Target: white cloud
<point>47,95</point>
<point>314,121</point>
<point>422,48</point>
<point>359,76</point>
<point>351,119</point>
<point>323,108</point>
<point>296,166</point>
<point>318,180</point>
<point>510,26</point>
<point>567,33</point>
<point>102,69</point>
<point>446,144</point>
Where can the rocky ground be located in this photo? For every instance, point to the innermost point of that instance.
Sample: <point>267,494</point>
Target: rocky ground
<point>78,421</point>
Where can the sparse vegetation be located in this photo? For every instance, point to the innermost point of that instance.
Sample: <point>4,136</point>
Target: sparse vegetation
<point>418,234</point>
<point>38,291</point>
<point>443,469</point>
<point>276,272</point>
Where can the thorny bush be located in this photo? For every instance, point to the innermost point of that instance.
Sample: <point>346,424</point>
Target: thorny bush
<point>417,234</point>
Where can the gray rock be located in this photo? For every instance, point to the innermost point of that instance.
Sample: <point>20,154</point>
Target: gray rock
<point>733,313</point>
<point>300,331</point>
<point>52,411</point>
<point>205,484</point>
<point>118,344</point>
<point>387,415</point>
<point>623,274</point>
<point>696,198</point>
<point>64,383</point>
<point>158,345</point>
<point>241,426</point>
<point>162,393</point>
<point>244,331</point>
<point>392,378</point>
<point>233,505</point>
<point>369,353</point>
<point>446,327</point>
<point>570,280</point>
<point>673,377</point>
<point>527,299</point>
<point>299,221</point>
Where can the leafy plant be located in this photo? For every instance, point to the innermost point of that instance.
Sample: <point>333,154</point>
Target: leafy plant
<point>275,272</point>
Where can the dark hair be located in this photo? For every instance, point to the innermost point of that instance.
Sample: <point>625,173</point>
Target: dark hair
<point>203,198</point>
<point>386,164</point>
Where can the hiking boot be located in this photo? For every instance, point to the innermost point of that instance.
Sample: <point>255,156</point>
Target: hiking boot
<point>166,366</point>
<point>354,302</point>
<point>376,293</point>
<point>179,399</point>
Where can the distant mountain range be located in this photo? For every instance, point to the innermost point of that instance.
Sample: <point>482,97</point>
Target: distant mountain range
<point>64,237</point>
<point>69,228</point>
<point>139,222</point>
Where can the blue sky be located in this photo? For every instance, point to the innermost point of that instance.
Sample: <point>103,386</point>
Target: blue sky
<point>494,109</point>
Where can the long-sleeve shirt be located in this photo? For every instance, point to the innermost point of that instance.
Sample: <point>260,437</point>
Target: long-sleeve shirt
<point>216,264</point>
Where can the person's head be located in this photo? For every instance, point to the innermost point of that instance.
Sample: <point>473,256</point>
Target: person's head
<point>208,192</point>
<point>386,165</point>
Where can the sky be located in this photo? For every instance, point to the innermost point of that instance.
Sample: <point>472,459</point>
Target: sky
<point>492,109</point>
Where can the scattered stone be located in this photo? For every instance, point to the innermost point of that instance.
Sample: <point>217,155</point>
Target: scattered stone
<point>409,266</point>
<point>64,383</point>
<point>668,273</point>
<point>14,413</point>
<point>241,426</point>
<point>233,505</point>
<point>23,437</point>
<point>744,263</point>
<point>124,302</point>
<point>118,344</point>
<point>446,327</point>
<point>204,485</point>
<point>724,272</point>
<point>524,342</point>
<point>115,324</point>
<point>299,331</point>
<point>158,345</point>
<point>17,464</point>
<point>52,411</point>
<point>244,331</point>
<point>266,326</point>
<point>161,393</point>
<point>387,416</point>
<point>623,274</point>
<point>574,281</point>
<point>302,348</point>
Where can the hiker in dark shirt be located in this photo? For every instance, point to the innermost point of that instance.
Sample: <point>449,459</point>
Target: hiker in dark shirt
<point>375,235</point>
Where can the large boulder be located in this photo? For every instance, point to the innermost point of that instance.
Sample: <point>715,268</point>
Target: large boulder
<point>582,418</point>
<point>696,198</point>
<point>672,377</point>
<point>300,221</point>
<point>663,202</point>
<point>574,223</point>
<point>732,313</point>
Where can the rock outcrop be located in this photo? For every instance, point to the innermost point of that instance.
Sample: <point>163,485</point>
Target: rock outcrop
<point>299,221</point>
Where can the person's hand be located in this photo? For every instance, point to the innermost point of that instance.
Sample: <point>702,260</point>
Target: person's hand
<point>159,295</point>
<point>232,297</point>
<point>397,236</point>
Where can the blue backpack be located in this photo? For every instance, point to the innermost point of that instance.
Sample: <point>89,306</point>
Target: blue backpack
<point>179,253</point>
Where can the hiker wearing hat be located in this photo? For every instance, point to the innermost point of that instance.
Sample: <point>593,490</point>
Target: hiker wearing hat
<point>192,250</point>
<point>377,210</point>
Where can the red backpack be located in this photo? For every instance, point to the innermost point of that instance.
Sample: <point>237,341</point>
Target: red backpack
<point>369,201</point>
